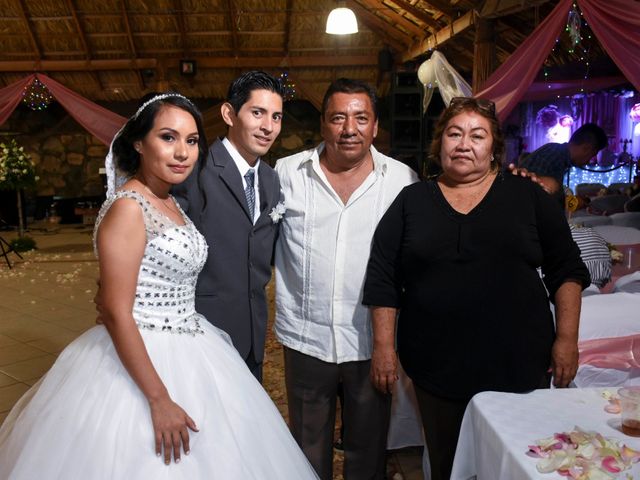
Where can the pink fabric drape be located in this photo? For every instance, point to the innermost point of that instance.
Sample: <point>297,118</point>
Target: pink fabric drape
<point>11,95</point>
<point>616,25</point>
<point>511,80</point>
<point>621,353</point>
<point>98,121</point>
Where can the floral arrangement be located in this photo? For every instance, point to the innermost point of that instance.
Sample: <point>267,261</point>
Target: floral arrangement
<point>548,116</point>
<point>616,255</point>
<point>16,168</point>
<point>583,455</point>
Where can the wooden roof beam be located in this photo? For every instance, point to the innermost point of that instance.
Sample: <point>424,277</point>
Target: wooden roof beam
<point>83,40</point>
<point>440,37</point>
<point>418,13</point>
<point>291,62</point>
<point>444,6</point>
<point>76,65</point>
<point>395,16</point>
<point>132,44</point>
<point>310,94</point>
<point>287,27</point>
<point>203,62</point>
<point>179,12</point>
<point>500,8</point>
<point>395,38</point>
<point>233,25</point>
<point>27,24</point>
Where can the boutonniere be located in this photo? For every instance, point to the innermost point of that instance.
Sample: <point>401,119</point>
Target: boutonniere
<point>277,212</point>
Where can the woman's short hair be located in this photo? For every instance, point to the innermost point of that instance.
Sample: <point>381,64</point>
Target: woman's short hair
<point>482,107</point>
<point>127,159</point>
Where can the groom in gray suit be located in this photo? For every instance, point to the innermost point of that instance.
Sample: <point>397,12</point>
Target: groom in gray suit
<point>229,197</point>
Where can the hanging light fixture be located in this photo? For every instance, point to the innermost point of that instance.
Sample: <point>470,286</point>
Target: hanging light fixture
<point>342,21</point>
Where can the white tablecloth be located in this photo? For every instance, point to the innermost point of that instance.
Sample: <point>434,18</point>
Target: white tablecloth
<point>618,235</point>
<point>606,316</point>
<point>498,428</point>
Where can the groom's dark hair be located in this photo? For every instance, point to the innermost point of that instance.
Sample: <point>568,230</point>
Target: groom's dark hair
<point>241,88</point>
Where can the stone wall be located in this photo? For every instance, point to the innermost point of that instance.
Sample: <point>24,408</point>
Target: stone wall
<point>67,158</point>
<point>68,165</point>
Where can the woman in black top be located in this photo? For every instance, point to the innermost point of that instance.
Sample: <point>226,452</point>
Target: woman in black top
<point>458,256</point>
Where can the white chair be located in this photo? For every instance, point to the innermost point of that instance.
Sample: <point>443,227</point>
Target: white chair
<point>626,219</point>
<point>633,205</point>
<point>607,204</point>
<point>590,220</point>
<point>629,283</point>
<point>618,235</point>
<point>619,187</point>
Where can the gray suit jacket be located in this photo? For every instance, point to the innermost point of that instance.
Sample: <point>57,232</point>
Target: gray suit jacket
<point>231,288</point>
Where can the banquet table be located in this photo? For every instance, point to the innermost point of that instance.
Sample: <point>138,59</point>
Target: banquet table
<point>498,428</point>
<point>618,235</point>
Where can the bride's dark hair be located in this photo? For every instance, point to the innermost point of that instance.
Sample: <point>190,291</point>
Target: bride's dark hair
<point>127,159</point>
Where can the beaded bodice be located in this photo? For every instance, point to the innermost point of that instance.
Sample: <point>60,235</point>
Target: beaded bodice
<point>173,257</point>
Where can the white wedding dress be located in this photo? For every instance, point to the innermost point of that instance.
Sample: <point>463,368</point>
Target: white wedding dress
<point>87,420</point>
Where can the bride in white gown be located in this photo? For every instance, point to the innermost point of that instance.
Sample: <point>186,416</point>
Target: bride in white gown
<point>156,382</point>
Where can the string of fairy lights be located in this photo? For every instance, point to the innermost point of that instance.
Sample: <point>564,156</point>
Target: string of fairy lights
<point>288,85</point>
<point>36,96</point>
<point>579,41</point>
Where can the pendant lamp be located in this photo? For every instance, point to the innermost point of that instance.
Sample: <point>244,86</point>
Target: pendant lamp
<point>342,21</point>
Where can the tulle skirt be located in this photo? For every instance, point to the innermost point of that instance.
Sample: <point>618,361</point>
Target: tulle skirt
<point>86,418</point>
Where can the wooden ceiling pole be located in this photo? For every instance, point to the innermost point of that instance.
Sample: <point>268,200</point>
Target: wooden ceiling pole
<point>394,17</point>
<point>484,52</point>
<point>233,26</point>
<point>310,94</point>
<point>390,35</point>
<point>179,14</point>
<point>83,40</point>
<point>444,6</point>
<point>287,27</point>
<point>419,14</point>
<point>440,37</point>
<point>132,45</point>
<point>27,24</point>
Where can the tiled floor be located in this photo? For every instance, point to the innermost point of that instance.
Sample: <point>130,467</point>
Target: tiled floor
<point>46,301</point>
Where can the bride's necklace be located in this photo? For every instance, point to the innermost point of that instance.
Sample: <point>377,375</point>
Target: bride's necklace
<point>169,206</point>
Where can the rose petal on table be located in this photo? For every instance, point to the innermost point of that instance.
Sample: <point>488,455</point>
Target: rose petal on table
<point>613,408</point>
<point>610,464</point>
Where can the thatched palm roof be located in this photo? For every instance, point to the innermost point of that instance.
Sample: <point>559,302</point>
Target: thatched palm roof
<point>116,50</point>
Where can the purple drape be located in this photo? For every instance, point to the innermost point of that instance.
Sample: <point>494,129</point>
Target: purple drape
<point>98,121</point>
<point>615,23</point>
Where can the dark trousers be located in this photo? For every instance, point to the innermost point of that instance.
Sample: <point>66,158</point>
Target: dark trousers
<point>441,421</point>
<point>312,391</point>
<point>254,367</point>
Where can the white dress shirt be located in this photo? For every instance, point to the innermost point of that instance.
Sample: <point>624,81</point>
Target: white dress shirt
<point>243,168</point>
<point>322,253</point>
